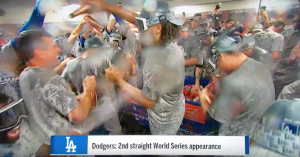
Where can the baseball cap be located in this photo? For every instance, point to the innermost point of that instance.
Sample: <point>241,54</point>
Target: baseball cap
<point>93,42</point>
<point>115,36</point>
<point>162,9</point>
<point>258,27</point>
<point>247,43</point>
<point>226,44</point>
<point>204,33</point>
<point>279,128</point>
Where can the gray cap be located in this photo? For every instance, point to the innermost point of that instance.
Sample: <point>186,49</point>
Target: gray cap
<point>203,32</point>
<point>258,27</point>
<point>93,42</point>
<point>162,8</point>
<point>115,36</point>
<point>226,44</point>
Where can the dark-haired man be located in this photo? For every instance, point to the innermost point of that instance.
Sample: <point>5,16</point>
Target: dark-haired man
<point>245,91</point>
<point>165,108</point>
<point>45,93</point>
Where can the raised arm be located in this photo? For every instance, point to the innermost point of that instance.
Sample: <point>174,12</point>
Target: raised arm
<point>76,32</point>
<point>100,5</point>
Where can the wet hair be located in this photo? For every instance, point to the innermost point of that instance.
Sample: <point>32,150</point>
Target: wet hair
<point>28,41</point>
<point>230,21</point>
<point>169,32</point>
<point>279,23</point>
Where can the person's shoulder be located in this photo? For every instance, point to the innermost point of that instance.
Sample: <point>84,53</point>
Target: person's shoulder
<point>276,35</point>
<point>30,75</point>
<point>174,48</point>
<point>31,71</point>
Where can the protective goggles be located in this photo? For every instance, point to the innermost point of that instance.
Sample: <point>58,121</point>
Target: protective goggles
<point>144,24</point>
<point>11,114</point>
<point>115,37</point>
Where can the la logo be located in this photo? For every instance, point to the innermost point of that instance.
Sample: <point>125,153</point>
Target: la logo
<point>70,145</point>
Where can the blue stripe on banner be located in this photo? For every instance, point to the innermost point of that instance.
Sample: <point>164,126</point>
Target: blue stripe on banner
<point>247,142</point>
<point>65,145</point>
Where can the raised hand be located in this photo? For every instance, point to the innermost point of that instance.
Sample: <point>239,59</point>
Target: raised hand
<point>90,6</point>
<point>113,74</point>
<point>89,83</point>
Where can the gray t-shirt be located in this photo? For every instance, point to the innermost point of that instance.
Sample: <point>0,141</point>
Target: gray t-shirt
<point>269,41</point>
<point>49,100</point>
<point>244,96</point>
<point>79,68</point>
<point>191,48</point>
<point>263,57</point>
<point>75,72</point>
<point>164,86</point>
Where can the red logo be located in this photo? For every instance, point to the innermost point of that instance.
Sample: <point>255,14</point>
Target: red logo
<point>194,113</point>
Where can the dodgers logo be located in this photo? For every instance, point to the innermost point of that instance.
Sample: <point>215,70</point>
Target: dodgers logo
<point>70,145</point>
<point>61,145</point>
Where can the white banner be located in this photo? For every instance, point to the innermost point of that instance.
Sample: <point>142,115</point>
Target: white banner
<point>168,145</point>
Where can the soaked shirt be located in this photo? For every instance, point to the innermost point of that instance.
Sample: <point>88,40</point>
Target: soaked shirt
<point>79,68</point>
<point>244,96</point>
<point>288,30</point>
<point>49,100</point>
<point>75,72</point>
<point>290,92</point>
<point>269,41</point>
<point>284,74</point>
<point>290,44</point>
<point>130,45</point>
<point>191,49</point>
<point>167,113</point>
<point>78,46</point>
<point>263,57</point>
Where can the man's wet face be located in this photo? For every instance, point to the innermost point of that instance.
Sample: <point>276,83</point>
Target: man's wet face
<point>229,24</point>
<point>278,29</point>
<point>50,51</point>
<point>195,25</point>
<point>184,34</point>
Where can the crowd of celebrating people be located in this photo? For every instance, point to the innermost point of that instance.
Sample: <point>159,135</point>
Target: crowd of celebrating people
<point>80,82</point>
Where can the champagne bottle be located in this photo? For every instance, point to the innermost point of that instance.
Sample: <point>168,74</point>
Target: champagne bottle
<point>82,10</point>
